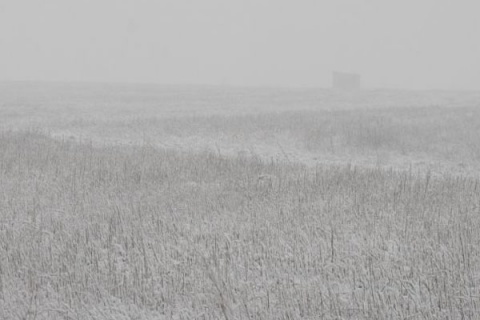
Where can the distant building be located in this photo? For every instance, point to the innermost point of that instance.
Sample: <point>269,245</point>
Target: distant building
<point>346,81</point>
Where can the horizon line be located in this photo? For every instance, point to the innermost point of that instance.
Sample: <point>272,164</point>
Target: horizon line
<point>230,86</point>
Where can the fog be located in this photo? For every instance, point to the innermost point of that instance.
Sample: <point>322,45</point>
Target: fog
<point>427,44</point>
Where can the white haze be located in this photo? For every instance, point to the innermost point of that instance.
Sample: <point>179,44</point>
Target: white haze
<point>413,44</point>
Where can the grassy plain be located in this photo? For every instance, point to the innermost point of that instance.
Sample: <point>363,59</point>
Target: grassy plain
<point>241,216</point>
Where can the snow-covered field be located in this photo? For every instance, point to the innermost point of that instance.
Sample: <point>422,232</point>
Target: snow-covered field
<point>142,202</point>
<point>432,130</point>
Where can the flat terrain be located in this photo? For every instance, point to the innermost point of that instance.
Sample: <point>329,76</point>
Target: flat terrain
<point>148,202</point>
<point>426,130</point>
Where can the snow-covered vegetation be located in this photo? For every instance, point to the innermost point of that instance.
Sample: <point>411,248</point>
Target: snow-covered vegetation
<point>358,213</point>
<point>143,233</point>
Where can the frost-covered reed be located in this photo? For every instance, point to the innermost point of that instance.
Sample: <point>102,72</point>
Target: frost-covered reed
<point>144,233</point>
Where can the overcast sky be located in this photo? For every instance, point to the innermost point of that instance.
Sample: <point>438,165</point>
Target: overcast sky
<point>418,44</point>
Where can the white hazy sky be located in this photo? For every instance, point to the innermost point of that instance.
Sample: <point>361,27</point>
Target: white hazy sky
<point>418,44</point>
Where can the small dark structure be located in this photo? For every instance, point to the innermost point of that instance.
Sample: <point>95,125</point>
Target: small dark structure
<point>346,81</point>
